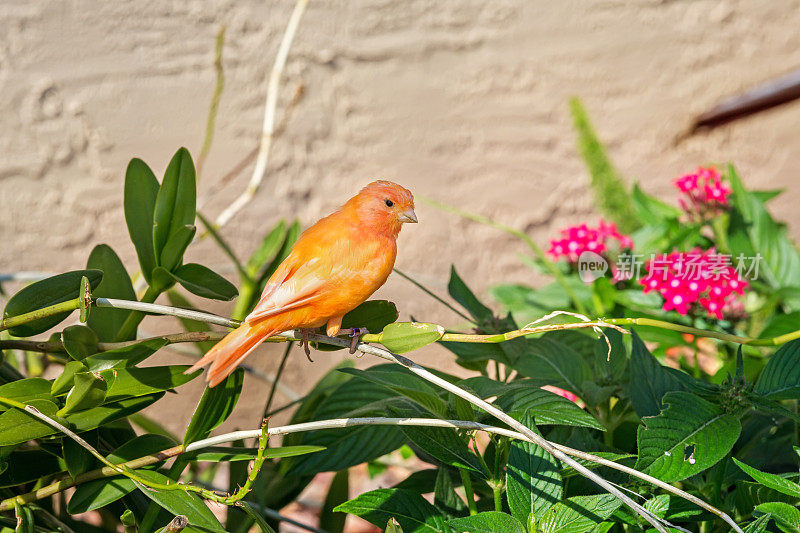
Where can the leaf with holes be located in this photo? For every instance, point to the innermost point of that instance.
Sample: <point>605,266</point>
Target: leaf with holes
<point>688,436</point>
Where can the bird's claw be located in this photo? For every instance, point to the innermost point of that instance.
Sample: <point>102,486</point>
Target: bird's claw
<point>304,342</point>
<point>355,334</point>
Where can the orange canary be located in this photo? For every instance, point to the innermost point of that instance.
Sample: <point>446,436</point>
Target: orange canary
<point>334,266</point>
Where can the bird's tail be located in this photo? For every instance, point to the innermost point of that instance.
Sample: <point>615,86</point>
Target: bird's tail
<point>226,355</point>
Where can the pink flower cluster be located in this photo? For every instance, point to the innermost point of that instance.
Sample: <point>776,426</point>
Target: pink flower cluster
<point>703,193</point>
<point>698,278</point>
<point>582,238</point>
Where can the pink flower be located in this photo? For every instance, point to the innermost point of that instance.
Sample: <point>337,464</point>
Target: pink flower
<point>583,238</point>
<point>703,193</point>
<point>696,279</point>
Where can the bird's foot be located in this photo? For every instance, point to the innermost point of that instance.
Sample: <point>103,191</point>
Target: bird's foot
<point>304,342</point>
<point>355,334</point>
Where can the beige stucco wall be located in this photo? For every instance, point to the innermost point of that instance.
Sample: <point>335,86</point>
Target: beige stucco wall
<point>460,101</point>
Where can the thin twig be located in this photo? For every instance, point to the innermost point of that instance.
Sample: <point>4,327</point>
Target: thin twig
<point>215,97</point>
<point>424,289</point>
<point>268,130</point>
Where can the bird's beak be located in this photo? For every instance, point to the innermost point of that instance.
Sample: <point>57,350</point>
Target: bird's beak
<point>408,216</point>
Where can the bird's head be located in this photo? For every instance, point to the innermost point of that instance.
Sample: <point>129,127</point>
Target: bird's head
<point>384,205</point>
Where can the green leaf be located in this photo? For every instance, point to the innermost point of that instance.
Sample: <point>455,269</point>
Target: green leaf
<point>402,337</point>
<point>18,426</point>
<point>610,367</point>
<point>759,525</point>
<point>780,379</point>
<point>99,493</point>
<point>650,380</point>
<point>141,191</point>
<point>204,282</point>
<point>609,189</point>
<point>649,207</point>
<point>533,478</point>
<point>337,494</point>
<point>350,446</point>
<point>781,257</point>
<point>393,526</point>
<point>262,524</point>
<point>444,495</point>
<point>773,481</point>
<point>578,514</point>
<point>555,363</point>
<point>89,390</point>
<point>50,291</point>
<point>215,406</point>
<point>78,459</point>
<point>79,341</point>
<point>459,291</point>
<point>63,383</point>
<point>545,406</point>
<point>106,321</point>
<point>25,390</point>
<point>230,454</point>
<point>176,201</point>
<point>268,249</point>
<point>179,502</point>
<point>267,269</point>
<point>487,522</point>
<point>374,315</point>
<point>780,324</point>
<point>24,466</point>
<point>129,382</point>
<point>172,254</point>
<point>412,511</point>
<point>98,416</point>
<point>787,517</point>
<point>128,356</point>
<point>689,436</point>
<point>405,382</point>
<point>24,516</point>
<point>446,446</point>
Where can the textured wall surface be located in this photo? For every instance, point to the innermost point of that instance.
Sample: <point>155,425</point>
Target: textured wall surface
<point>463,101</point>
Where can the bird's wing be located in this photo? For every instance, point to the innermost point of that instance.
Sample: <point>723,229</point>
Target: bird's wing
<point>319,261</point>
<point>294,288</point>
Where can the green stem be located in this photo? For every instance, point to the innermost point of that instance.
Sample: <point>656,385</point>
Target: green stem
<point>774,341</point>
<point>497,490</point>
<point>277,377</point>
<point>63,307</point>
<point>135,318</point>
<point>535,248</point>
<point>473,509</point>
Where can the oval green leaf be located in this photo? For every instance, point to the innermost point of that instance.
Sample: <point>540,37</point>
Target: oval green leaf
<point>402,337</point>
<point>176,200</point>
<point>141,191</point>
<point>53,290</point>
<point>172,254</point>
<point>88,391</point>
<point>204,282</point>
<point>79,341</point>
<point>106,321</point>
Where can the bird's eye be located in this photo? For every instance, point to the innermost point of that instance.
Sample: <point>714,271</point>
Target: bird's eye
<point>389,203</point>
